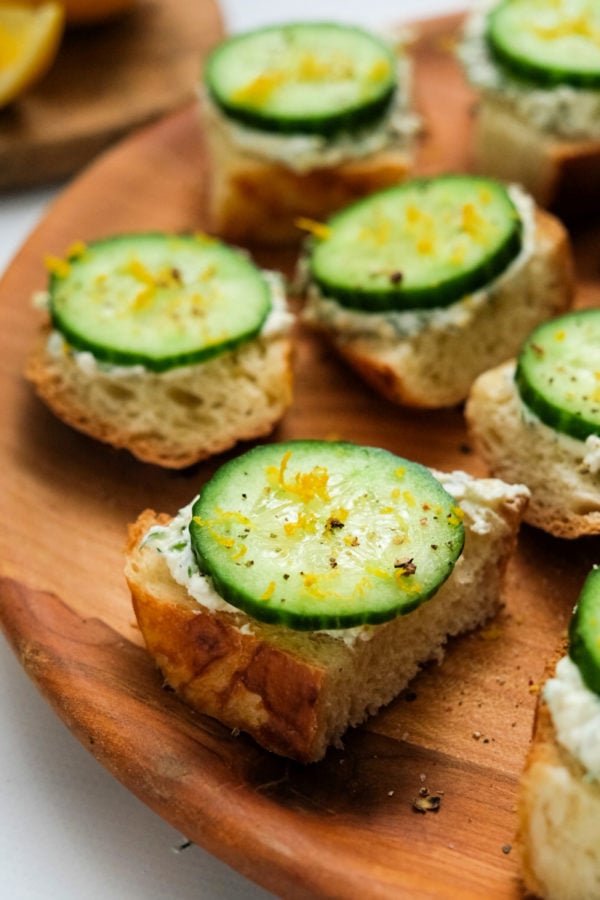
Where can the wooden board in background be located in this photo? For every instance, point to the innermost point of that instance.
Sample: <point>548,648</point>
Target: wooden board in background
<point>344,827</point>
<point>105,81</point>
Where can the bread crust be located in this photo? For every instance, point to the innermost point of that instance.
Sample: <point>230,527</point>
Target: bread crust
<point>255,201</point>
<point>297,692</point>
<point>557,172</point>
<point>565,495</point>
<point>174,418</point>
<point>430,369</point>
<point>559,826</point>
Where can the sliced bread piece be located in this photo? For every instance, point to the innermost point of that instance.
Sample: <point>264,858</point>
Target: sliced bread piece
<point>559,825</point>
<point>173,347</point>
<point>297,692</point>
<point>559,799</point>
<point>301,119</point>
<point>562,473</point>
<point>429,358</point>
<point>558,172</point>
<point>257,201</point>
<point>537,73</point>
<point>174,418</point>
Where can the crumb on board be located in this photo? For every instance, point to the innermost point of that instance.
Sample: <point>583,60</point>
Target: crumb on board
<point>425,801</point>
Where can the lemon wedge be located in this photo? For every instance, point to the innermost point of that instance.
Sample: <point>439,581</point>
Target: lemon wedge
<point>29,40</point>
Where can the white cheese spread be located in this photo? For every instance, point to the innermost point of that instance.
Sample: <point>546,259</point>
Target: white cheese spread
<point>583,455</point>
<point>480,498</point>
<point>563,110</point>
<point>393,324</point>
<point>575,711</point>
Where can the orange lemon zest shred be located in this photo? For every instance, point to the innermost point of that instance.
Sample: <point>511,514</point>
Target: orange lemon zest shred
<point>57,266</point>
<point>317,229</point>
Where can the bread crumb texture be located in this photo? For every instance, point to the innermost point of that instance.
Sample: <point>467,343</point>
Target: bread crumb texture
<point>517,447</point>
<point>559,827</point>
<point>173,418</point>
<point>256,201</point>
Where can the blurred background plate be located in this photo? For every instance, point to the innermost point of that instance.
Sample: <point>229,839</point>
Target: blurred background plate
<point>105,81</point>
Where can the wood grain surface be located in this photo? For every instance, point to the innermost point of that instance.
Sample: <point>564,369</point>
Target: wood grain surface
<point>344,827</point>
<point>105,81</point>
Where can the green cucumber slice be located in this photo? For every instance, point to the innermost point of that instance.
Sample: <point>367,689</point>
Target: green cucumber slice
<point>584,632</point>
<point>423,244</point>
<point>558,373</point>
<point>157,300</point>
<point>547,42</point>
<point>308,78</point>
<point>319,535</point>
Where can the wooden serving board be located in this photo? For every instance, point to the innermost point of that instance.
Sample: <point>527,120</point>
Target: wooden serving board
<point>105,81</point>
<point>345,827</point>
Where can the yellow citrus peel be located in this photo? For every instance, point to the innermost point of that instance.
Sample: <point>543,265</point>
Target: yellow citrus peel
<point>29,40</point>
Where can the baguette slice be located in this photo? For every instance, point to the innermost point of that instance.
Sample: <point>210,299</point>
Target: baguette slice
<point>559,173</point>
<point>173,418</point>
<point>559,820</point>
<point>435,366</point>
<point>565,489</point>
<point>297,692</point>
<point>256,201</point>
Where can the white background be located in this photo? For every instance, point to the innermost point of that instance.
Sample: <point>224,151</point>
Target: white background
<point>68,830</point>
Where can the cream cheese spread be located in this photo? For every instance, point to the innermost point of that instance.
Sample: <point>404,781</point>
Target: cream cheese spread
<point>575,711</point>
<point>584,455</point>
<point>392,325</point>
<point>563,110</point>
<point>479,498</point>
<point>278,322</point>
<point>303,152</point>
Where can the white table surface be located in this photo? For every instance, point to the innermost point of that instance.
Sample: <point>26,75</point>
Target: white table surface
<point>68,829</point>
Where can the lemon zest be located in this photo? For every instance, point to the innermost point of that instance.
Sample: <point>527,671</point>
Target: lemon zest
<point>472,222</point>
<point>268,593</point>
<point>76,250</point>
<point>318,229</point>
<point>379,70</point>
<point>138,270</point>
<point>57,266</point>
<point>260,88</point>
<point>219,538</point>
<point>377,572</point>
<point>306,485</point>
<point>405,584</point>
<point>305,522</point>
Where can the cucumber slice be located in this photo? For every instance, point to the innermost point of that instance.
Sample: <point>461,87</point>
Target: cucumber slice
<point>320,535</point>
<point>308,78</point>
<point>558,373</point>
<point>584,632</point>
<point>423,244</point>
<point>157,300</point>
<point>547,42</point>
